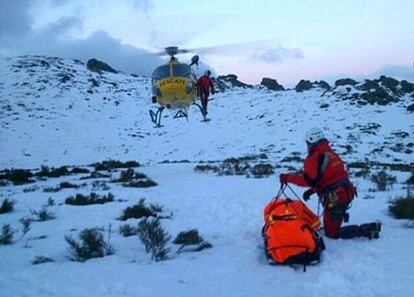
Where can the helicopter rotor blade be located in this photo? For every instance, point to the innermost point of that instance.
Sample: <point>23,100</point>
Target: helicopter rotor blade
<point>222,49</point>
<point>231,48</point>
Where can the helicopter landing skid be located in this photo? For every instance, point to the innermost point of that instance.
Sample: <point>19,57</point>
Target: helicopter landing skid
<point>156,116</point>
<point>181,114</point>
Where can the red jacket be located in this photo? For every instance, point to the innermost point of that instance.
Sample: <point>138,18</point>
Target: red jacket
<point>205,84</point>
<point>331,169</point>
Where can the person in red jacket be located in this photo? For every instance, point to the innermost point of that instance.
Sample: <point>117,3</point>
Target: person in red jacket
<point>205,85</point>
<point>324,172</point>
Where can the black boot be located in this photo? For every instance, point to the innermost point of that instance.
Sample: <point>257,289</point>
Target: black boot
<point>349,232</point>
<point>371,230</point>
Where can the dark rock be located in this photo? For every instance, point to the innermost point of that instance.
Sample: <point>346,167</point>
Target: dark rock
<point>99,66</point>
<point>345,81</point>
<point>407,87</point>
<point>378,96</point>
<point>94,82</point>
<point>272,84</point>
<point>410,108</point>
<point>303,85</point>
<point>44,64</point>
<point>324,105</point>
<point>322,84</point>
<point>369,85</point>
<point>65,77</point>
<point>389,82</point>
<point>223,82</point>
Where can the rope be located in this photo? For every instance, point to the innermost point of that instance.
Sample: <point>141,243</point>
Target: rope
<point>294,193</point>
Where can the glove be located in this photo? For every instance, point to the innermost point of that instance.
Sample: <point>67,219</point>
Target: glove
<point>284,178</point>
<point>307,194</point>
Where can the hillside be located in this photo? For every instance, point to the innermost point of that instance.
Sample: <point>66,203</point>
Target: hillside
<point>84,116</point>
<point>215,177</point>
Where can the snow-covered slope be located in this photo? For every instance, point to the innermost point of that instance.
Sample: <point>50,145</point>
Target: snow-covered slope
<point>55,112</point>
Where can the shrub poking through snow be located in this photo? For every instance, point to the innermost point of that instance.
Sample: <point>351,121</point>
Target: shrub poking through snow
<point>78,170</point>
<point>410,180</point>
<point>62,185</point>
<point>364,173</point>
<point>91,245</point>
<point>41,259</point>
<point>247,165</point>
<point>403,207</point>
<point>188,237</point>
<point>50,202</point>
<point>383,180</point>
<point>96,174</point>
<point>129,175</point>
<point>6,235</point>
<point>100,185</point>
<point>68,185</point>
<point>234,166</point>
<point>154,238</point>
<point>25,226</point>
<point>18,176</point>
<point>130,178</point>
<point>93,198</point>
<point>127,230</point>
<point>53,172</point>
<point>6,206</point>
<point>191,238</point>
<point>262,170</point>
<point>206,168</point>
<point>145,183</point>
<point>43,214</point>
<point>140,210</point>
<point>112,164</point>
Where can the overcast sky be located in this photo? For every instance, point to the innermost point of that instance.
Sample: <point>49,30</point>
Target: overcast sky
<point>285,40</point>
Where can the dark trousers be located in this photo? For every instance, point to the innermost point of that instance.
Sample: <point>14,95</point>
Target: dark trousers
<point>335,204</point>
<point>204,101</point>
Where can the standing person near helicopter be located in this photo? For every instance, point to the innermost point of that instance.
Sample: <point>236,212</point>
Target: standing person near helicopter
<point>205,85</point>
<point>324,172</point>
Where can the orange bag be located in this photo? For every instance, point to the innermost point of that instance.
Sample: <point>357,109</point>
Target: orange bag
<point>290,233</point>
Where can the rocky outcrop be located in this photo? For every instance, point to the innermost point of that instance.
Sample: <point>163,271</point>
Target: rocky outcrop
<point>345,81</point>
<point>407,87</point>
<point>382,91</point>
<point>305,85</point>
<point>322,84</point>
<point>272,84</point>
<point>99,66</point>
<point>224,82</point>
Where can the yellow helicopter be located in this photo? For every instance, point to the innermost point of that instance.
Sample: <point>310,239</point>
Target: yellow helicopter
<point>174,86</point>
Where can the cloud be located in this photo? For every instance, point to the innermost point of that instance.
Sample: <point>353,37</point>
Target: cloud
<point>277,55</point>
<point>17,37</point>
<point>14,18</point>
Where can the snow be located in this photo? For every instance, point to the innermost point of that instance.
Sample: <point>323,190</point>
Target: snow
<point>57,126</point>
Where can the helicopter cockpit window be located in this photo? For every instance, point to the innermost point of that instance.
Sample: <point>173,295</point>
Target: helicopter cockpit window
<point>161,72</point>
<point>181,70</point>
